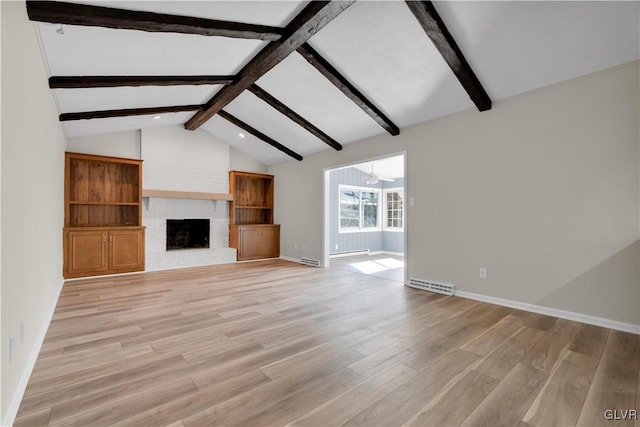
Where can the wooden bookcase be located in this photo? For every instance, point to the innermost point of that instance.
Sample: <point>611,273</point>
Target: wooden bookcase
<point>103,231</point>
<point>251,229</point>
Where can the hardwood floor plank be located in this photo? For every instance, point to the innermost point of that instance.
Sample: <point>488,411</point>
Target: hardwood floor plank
<point>453,407</point>
<point>616,380</point>
<point>240,409</point>
<point>275,342</point>
<point>508,402</point>
<point>590,340</point>
<point>194,402</point>
<point>494,336</point>
<point>562,397</point>
<point>505,357</point>
<point>402,403</point>
<point>347,405</point>
<point>125,408</point>
<point>34,418</point>
<point>550,349</point>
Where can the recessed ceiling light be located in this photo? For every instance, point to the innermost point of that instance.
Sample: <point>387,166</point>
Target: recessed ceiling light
<point>156,117</point>
<point>241,135</point>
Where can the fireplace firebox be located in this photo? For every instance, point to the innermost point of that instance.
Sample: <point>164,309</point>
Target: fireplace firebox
<point>187,234</point>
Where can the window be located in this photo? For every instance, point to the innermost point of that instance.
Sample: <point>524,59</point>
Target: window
<point>394,209</point>
<point>359,209</point>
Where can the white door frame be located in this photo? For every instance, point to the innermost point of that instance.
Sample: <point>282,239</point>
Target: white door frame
<point>326,199</point>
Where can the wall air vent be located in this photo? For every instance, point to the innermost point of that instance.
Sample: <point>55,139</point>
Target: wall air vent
<point>309,261</point>
<point>440,288</point>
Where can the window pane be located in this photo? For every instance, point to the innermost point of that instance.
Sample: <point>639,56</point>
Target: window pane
<point>369,209</point>
<point>349,208</point>
<point>394,209</point>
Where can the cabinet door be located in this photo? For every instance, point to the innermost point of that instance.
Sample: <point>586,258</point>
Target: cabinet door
<point>249,243</point>
<point>126,250</point>
<point>86,253</point>
<point>270,242</point>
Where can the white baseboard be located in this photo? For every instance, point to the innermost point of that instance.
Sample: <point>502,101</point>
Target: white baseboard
<point>346,254</point>
<point>288,258</point>
<point>569,315</point>
<point>387,253</point>
<point>12,410</point>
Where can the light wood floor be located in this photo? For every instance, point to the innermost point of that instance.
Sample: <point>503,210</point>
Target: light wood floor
<point>273,343</point>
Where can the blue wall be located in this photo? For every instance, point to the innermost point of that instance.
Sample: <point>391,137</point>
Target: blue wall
<point>375,241</point>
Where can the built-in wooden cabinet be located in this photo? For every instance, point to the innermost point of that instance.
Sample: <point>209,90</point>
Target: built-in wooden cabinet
<point>103,231</point>
<point>251,229</point>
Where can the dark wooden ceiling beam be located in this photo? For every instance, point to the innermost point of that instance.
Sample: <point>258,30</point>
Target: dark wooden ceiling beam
<point>308,22</point>
<point>432,24</point>
<point>293,116</point>
<point>339,81</point>
<point>98,16</point>
<point>87,115</point>
<point>255,132</point>
<point>76,82</point>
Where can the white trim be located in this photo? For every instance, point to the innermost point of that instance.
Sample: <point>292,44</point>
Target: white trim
<point>569,315</point>
<point>386,253</point>
<point>12,410</point>
<point>385,191</point>
<point>352,253</point>
<point>288,258</point>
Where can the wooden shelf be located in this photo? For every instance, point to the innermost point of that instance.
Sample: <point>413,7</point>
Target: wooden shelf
<point>103,231</point>
<point>251,228</point>
<point>105,203</point>
<point>167,194</point>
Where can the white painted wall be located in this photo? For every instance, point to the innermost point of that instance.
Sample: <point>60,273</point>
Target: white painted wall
<point>542,190</point>
<point>240,161</point>
<point>118,144</point>
<point>181,160</point>
<point>32,202</point>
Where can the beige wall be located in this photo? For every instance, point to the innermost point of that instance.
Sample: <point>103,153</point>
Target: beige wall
<point>32,201</point>
<point>117,144</point>
<point>542,190</point>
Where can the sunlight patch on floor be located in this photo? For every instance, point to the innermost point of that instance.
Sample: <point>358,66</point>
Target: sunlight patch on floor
<point>368,267</point>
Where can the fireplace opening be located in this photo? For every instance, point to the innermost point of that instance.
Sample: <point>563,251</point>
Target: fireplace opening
<point>187,234</point>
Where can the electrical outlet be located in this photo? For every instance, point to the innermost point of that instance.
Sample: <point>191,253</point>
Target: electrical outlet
<point>484,273</point>
<point>22,331</point>
<point>412,201</point>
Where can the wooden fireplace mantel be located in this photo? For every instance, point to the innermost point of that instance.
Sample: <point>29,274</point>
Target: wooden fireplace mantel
<point>168,194</point>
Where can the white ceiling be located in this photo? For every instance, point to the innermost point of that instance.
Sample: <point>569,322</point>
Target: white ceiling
<point>389,167</point>
<point>513,47</point>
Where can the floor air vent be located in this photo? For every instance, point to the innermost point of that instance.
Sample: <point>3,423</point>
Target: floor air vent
<point>310,261</point>
<point>440,288</point>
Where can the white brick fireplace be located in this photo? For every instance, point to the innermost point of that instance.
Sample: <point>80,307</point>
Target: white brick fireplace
<point>176,160</point>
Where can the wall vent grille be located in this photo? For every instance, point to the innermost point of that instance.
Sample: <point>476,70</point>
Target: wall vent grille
<point>310,261</point>
<point>440,288</point>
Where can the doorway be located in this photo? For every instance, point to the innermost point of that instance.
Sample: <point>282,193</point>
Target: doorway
<point>365,217</point>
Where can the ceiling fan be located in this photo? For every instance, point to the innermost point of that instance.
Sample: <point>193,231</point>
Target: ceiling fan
<point>373,178</point>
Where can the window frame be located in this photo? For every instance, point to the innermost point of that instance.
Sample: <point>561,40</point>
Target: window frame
<point>360,228</point>
<point>385,210</point>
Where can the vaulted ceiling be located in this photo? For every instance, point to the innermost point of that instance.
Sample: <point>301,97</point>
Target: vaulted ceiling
<point>379,49</point>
